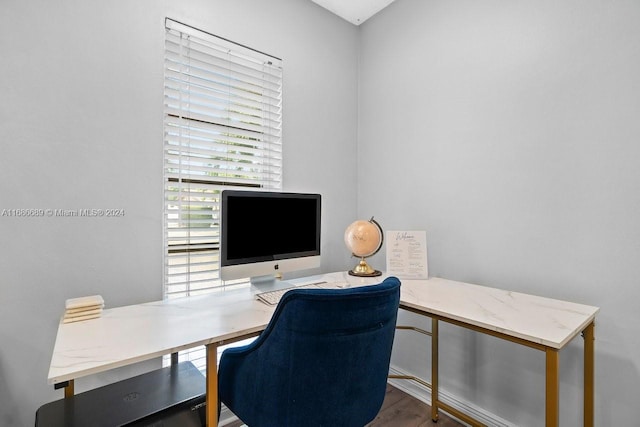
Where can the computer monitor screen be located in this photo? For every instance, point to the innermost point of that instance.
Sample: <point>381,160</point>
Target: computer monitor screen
<point>263,233</point>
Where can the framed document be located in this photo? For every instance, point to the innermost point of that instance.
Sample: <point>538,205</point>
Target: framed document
<point>407,254</point>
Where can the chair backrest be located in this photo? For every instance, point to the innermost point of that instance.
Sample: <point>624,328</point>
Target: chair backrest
<point>323,360</point>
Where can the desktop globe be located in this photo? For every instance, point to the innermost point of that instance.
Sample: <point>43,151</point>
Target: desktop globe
<point>364,239</point>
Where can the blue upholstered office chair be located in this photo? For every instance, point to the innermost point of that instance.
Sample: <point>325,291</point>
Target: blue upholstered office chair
<point>323,360</point>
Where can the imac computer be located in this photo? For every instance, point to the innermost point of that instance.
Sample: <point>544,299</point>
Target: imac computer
<point>266,233</point>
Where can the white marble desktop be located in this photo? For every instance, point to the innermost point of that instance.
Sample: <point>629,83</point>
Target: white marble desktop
<point>550,322</point>
<point>130,334</point>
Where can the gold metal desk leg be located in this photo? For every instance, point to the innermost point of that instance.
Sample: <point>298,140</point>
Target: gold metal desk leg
<point>68,390</point>
<point>434,369</point>
<point>589,381</point>
<point>552,388</point>
<point>212,385</point>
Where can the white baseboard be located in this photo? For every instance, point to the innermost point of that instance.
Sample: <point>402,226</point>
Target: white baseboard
<point>423,393</point>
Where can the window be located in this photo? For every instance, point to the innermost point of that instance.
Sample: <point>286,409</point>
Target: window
<point>222,129</point>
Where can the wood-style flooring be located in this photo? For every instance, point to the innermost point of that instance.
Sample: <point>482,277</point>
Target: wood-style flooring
<point>400,409</point>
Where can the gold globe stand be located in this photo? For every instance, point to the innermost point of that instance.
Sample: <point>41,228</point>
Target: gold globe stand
<point>364,270</point>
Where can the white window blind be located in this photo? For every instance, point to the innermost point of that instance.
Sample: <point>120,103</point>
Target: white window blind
<point>222,129</point>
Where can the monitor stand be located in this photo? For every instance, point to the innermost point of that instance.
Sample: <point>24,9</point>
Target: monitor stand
<point>268,283</point>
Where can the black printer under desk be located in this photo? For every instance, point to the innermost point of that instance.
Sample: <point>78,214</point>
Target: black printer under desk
<point>171,396</point>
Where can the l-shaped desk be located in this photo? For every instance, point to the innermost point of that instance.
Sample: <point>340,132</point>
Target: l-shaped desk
<point>130,334</point>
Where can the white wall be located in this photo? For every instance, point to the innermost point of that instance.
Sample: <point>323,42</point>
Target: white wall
<point>81,106</point>
<point>509,132</point>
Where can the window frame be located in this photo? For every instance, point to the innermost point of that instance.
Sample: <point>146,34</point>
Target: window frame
<point>222,125</point>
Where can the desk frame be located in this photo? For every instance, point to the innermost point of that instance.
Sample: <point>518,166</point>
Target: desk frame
<point>552,377</point>
<point>438,299</point>
<point>212,376</point>
<point>552,384</point>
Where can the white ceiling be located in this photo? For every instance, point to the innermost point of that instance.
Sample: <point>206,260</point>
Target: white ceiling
<point>354,11</point>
